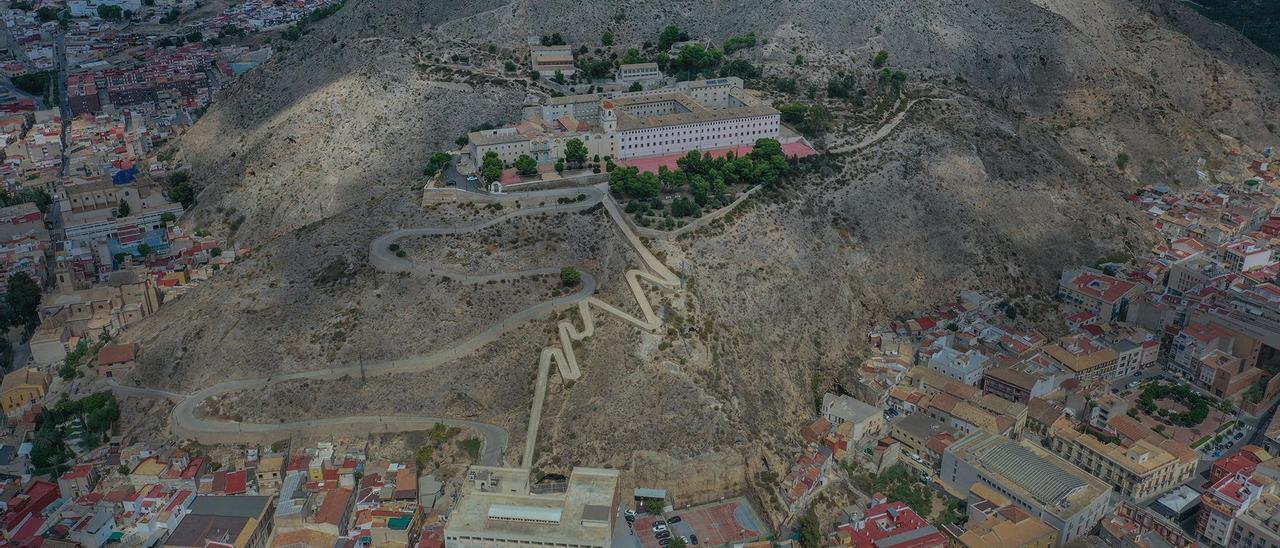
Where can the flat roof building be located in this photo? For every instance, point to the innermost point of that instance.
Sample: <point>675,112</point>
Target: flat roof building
<point>1047,487</point>
<point>500,508</point>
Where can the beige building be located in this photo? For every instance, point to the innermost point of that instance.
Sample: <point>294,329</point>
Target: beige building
<point>1141,466</point>
<point>1048,488</point>
<point>862,418</point>
<point>70,315</point>
<point>499,508</point>
<point>548,60</point>
<point>1105,296</point>
<point>993,520</point>
<point>22,388</point>
<point>1084,357</point>
<point>698,115</point>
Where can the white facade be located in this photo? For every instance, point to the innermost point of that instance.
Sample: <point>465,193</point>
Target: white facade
<point>696,136</point>
<point>639,72</point>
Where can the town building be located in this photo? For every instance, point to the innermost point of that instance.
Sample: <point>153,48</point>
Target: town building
<point>549,60</point>
<point>1142,465</point>
<point>994,521</point>
<point>638,72</point>
<point>889,525</point>
<point>21,389</point>
<point>116,360</point>
<point>499,507</point>
<point>1222,504</point>
<point>24,244</point>
<point>1035,480</point>
<point>234,521</point>
<point>1105,296</point>
<point>1084,357</point>
<point>863,418</point>
<point>916,430</point>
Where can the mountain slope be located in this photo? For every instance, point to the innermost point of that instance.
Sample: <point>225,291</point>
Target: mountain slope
<point>1009,172</point>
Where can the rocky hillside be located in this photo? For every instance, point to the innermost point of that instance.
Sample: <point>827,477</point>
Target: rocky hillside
<point>1012,170</point>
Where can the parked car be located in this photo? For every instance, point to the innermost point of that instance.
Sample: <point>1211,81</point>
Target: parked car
<point>663,534</point>
<point>659,527</point>
<point>693,539</point>
<point>673,519</point>
<point>450,182</point>
<point>664,541</point>
<point>472,179</point>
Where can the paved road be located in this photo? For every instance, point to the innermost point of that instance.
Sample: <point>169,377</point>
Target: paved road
<point>187,423</point>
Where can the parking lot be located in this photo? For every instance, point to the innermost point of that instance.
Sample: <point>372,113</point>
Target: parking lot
<point>716,524</point>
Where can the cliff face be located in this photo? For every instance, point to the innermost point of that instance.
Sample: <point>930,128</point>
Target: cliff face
<point>1009,173</point>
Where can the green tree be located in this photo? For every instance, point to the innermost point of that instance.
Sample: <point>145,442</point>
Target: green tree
<point>636,86</point>
<point>740,42</point>
<point>491,167</point>
<point>606,39</point>
<point>880,59</point>
<point>654,506</point>
<point>144,249</point>
<point>22,302</point>
<point>670,36</point>
<point>570,277</point>
<point>123,210</point>
<point>1122,161</point>
<point>526,165</point>
<point>110,13</point>
<point>168,218</point>
<point>180,189</point>
<point>809,531</point>
<point>575,152</point>
<point>559,166</point>
<point>436,162</point>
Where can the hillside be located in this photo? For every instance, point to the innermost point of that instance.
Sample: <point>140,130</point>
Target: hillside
<point>1011,169</point>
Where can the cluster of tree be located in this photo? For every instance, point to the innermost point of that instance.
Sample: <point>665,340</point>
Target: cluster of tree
<point>33,83</point>
<point>526,165</point>
<point>37,196</point>
<point>594,68</point>
<point>111,13</point>
<point>553,40</point>
<point>892,80</point>
<point>490,167</point>
<point>606,39</point>
<point>844,85</point>
<point>741,68</point>
<point>22,303</point>
<point>178,40</point>
<point>95,415</point>
<point>694,61</point>
<point>181,189</point>
<point>435,163</point>
<point>232,31</point>
<point>810,119</point>
<point>295,32</point>
<point>670,36</point>
<point>740,42</point>
<point>703,176</point>
<point>898,482</point>
<point>1197,405</point>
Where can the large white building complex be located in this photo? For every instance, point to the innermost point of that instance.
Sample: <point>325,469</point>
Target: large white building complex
<point>500,508</point>
<point>698,115</point>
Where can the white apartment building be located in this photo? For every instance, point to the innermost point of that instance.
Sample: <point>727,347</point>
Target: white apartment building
<point>638,72</point>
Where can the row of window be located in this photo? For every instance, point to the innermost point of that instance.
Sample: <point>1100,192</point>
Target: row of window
<point>693,139</point>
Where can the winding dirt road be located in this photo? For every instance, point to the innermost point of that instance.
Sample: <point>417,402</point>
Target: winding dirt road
<point>187,423</point>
